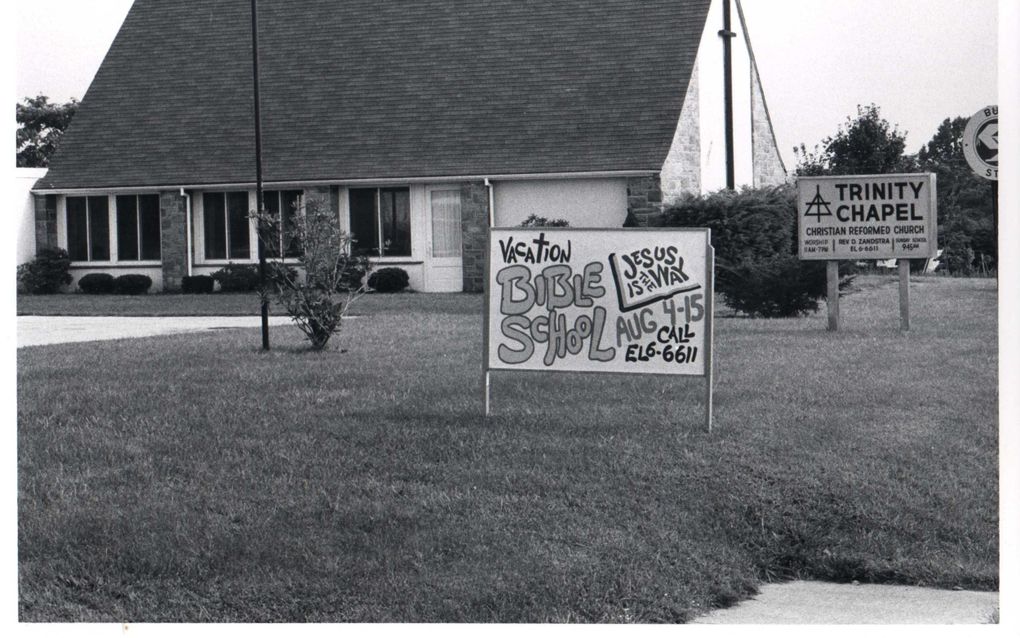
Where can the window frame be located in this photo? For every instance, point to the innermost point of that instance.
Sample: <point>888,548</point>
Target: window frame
<point>283,249</point>
<point>200,221</point>
<point>88,230</point>
<point>140,260</point>
<point>379,254</point>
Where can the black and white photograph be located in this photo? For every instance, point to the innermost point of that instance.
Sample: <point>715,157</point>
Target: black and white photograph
<point>554,313</point>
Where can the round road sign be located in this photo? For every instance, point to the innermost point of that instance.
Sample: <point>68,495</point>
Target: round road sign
<point>981,142</point>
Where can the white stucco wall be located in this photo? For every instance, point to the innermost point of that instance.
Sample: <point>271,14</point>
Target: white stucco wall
<point>24,179</point>
<point>584,203</point>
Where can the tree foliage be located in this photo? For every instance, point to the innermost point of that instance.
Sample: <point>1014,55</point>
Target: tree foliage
<point>40,127</point>
<point>967,233</point>
<point>865,145</point>
<point>318,301</point>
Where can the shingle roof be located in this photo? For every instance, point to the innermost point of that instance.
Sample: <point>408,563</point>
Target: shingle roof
<point>383,89</point>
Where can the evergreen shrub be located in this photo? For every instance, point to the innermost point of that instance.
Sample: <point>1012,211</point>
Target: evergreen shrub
<point>96,283</point>
<point>45,274</point>
<point>388,280</point>
<point>132,284</point>
<point>237,278</point>
<point>754,233</point>
<point>197,284</point>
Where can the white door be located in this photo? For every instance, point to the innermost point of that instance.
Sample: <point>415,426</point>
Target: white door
<point>444,270</point>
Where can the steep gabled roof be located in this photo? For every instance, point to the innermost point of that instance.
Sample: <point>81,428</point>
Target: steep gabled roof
<point>383,89</point>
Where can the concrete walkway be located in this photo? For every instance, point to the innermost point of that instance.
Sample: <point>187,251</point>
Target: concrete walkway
<point>40,331</point>
<point>811,602</point>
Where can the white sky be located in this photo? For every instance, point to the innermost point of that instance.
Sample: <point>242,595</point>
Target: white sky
<point>920,61</point>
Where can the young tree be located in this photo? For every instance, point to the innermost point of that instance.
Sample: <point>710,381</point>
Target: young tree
<point>332,281</point>
<point>40,127</point>
<point>865,145</point>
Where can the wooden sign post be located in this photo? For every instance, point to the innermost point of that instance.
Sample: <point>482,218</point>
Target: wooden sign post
<point>866,217</point>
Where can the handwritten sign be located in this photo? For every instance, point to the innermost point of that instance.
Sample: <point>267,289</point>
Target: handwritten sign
<point>630,301</point>
<point>867,216</point>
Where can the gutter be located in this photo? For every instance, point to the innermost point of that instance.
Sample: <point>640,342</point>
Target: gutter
<point>187,223</point>
<point>113,190</point>
<point>492,204</point>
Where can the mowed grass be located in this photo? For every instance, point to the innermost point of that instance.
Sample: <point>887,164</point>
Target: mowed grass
<point>226,304</point>
<point>194,478</point>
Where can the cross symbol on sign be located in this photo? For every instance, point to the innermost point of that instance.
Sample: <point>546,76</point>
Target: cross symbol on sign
<point>989,137</point>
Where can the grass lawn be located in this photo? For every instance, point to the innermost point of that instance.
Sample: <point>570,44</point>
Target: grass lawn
<point>226,304</point>
<point>194,478</point>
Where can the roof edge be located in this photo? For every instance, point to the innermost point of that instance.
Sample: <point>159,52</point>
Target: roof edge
<point>357,181</point>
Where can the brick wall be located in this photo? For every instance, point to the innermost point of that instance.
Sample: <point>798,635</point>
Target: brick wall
<point>173,239</point>
<point>474,209</point>
<point>681,172</point>
<point>644,199</point>
<point>45,221</point>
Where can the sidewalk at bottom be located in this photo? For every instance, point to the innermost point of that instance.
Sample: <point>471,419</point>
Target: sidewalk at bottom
<point>811,602</point>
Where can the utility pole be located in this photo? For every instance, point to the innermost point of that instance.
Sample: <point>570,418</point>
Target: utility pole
<point>259,198</point>
<point>727,34</point>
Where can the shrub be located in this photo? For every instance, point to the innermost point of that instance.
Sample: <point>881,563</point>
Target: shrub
<point>96,283</point>
<point>754,233</point>
<point>237,278</point>
<point>45,274</point>
<point>780,286</point>
<point>198,284</point>
<point>534,221</point>
<point>318,303</point>
<point>388,280</point>
<point>132,284</point>
<point>353,279</point>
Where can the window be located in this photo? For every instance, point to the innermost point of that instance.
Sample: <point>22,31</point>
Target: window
<point>137,227</point>
<point>226,227</point>
<point>446,233</point>
<point>88,228</point>
<point>381,221</point>
<point>289,202</point>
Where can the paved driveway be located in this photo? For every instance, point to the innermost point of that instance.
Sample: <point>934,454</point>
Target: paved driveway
<point>40,331</point>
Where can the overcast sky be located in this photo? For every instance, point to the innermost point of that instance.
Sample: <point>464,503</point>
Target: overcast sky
<point>920,61</point>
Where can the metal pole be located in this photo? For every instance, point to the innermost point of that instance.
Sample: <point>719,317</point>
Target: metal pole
<point>259,199</point>
<point>727,34</point>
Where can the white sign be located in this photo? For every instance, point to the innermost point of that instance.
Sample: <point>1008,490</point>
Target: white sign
<point>981,142</point>
<point>866,217</point>
<point>631,301</point>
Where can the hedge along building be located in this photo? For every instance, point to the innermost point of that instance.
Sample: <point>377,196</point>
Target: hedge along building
<point>416,122</point>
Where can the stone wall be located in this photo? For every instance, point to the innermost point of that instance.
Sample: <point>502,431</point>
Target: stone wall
<point>45,221</point>
<point>681,172</point>
<point>644,200</point>
<point>474,209</point>
<point>173,228</point>
<point>767,164</point>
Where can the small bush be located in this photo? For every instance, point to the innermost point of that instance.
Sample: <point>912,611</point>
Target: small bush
<point>237,278</point>
<point>132,284</point>
<point>45,274</point>
<point>534,221</point>
<point>96,283</point>
<point>352,279</point>
<point>780,286</point>
<point>197,285</point>
<point>388,280</point>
